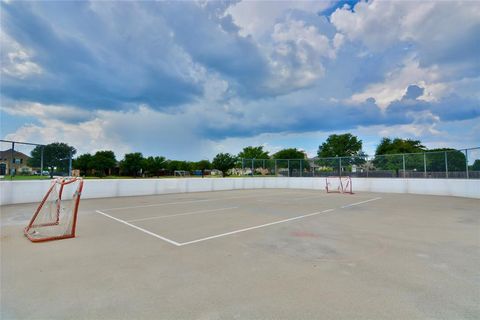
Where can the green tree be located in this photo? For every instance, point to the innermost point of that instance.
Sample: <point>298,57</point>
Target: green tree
<point>476,165</point>
<point>103,162</point>
<point>154,165</point>
<point>202,165</point>
<point>397,145</point>
<point>132,164</point>
<point>174,165</point>
<point>253,153</point>
<point>388,154</point>
<point>346,146</point>
<point>291,153</point>
<point>224,162</point>
<point>83,163</point>
<point>55,156</point>
<point>340,145</point>
<point>291,160</point>
<point>436,160</point>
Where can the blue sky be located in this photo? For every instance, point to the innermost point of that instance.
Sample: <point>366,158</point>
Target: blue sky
<point>190,79</point>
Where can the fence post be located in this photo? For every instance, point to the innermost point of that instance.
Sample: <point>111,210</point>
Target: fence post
<point>288,165</point>
<point>424,164</point>
<point>368,165</point>
<point>12,164</point>
<point>263,169</point>
<point>70,163</point>
<point>243,166</point>
<point>41,161</point>
<point>466,161</point>
<point>446,165</point>
<point>301,166</point>
<point>403,158</point>
<point>253,167</point>
<point>340,166</point>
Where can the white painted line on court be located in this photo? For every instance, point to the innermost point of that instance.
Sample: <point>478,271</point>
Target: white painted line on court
<point>305,198</point>
<point>256,227</point>
<point>357,203</point>
<point>293,199</point>
<point>156,205</point>
<point>183,214</point>
<point>231,232</point>
<point>275,222</point>
<point>188,201</point>
<point>140,229</point>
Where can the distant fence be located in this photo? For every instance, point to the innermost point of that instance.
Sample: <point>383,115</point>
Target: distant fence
<point>455,164</point>
<point>19,158</point>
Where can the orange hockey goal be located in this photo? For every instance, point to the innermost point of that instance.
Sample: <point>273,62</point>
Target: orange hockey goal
<point>338,184</point>
<point>56,215</point>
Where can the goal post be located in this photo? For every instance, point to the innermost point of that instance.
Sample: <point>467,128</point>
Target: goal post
<point>337,184</point>
<point>56,216</point>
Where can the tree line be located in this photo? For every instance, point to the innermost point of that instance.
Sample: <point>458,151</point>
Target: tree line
<point>104,163</point>
<point>347,146</point>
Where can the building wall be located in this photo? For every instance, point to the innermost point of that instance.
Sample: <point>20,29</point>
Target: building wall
<point>22,159</point>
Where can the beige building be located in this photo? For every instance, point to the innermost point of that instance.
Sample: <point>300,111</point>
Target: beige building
<point>19,162</point>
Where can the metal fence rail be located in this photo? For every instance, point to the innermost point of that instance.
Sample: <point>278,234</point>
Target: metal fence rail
<point>455,164</point>
<point>16,160</point>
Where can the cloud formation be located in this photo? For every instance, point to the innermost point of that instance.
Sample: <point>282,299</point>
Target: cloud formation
<point>158,76</point>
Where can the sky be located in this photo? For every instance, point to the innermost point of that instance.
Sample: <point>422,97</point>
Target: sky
<point>187,80</point>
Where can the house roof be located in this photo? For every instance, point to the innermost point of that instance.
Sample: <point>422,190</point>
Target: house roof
<point>16,154</point>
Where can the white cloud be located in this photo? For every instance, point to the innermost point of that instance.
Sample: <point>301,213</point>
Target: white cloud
<point>140,130</point>
<point>16,60</point>
<point>379,24</point>
<point>257,18</point>
<point>298,51</point>
<point>177,79</point>
<point>88,136</point>
<point>375,23</point>
<point>396,82</point>
<point>438,31</point>
<point>46,112</point>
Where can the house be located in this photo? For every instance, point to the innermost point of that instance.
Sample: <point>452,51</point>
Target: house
<point>14,160</point>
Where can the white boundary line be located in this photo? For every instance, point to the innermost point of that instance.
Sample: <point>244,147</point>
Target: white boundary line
<point>256,227</point>
<point>140,229</point>
<point>183,214</point>
<point>192,201</point>
<point>292,200</point>
<point>361,202</point>
<point>156,205</point>
<point>179,244</point>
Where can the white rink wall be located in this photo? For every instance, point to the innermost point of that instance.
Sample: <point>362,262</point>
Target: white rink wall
<point>13,192</point>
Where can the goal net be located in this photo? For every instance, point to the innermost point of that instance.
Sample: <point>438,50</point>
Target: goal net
<point>181,173</point>
<point>56,215</point>
<point>339,184</point>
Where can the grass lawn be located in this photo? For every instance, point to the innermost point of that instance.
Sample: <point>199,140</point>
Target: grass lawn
<point>20,177</point>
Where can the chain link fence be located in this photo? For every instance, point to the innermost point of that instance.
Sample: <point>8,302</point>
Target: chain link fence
<point>25,160</point>
<point>454,164</point>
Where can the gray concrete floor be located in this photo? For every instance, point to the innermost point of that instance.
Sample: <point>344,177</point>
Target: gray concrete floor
<point>397,257</point>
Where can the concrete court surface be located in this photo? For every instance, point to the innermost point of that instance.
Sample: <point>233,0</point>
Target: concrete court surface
<point>249,254</point>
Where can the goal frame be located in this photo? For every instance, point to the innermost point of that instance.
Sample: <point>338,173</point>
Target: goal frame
<point>62,182</point>
<point>345,183</point>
